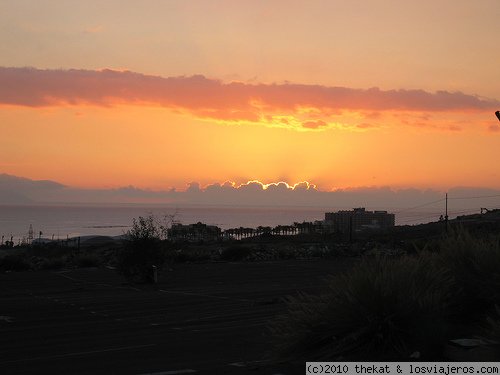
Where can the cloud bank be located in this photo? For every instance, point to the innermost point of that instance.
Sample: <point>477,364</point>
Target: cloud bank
<point>410,205</point>
<point>298,106</point>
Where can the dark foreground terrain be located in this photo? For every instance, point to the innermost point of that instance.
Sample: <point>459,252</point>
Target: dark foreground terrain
<point>200,318</point>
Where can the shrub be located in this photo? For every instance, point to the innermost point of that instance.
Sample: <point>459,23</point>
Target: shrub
<point>137,258</point>
<point>147,228</point>
<point>52,264</point>
<point>142,250</point>
<point>192,255</point>
<point>385,309</point>
<point>87,260</point>
<point>15,262</point>
<point>474,263</point>
<point>236,253</point>
<point>49,250</point>
<point>286,253</point>
<point>491,330</point>
<point>388,308</point>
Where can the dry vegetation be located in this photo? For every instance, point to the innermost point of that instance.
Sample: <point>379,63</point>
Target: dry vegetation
<point>390,308</point>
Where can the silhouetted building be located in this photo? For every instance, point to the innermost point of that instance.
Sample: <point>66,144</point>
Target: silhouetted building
<point>358,220</point>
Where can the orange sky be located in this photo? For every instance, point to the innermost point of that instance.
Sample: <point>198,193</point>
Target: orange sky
<point>399,95</point>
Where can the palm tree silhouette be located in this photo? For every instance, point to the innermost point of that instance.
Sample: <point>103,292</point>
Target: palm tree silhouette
<point>498,115</point>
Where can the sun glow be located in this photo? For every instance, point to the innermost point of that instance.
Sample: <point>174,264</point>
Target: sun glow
<point>304,185</point>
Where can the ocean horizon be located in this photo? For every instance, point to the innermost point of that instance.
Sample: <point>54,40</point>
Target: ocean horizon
<point>63,221</point>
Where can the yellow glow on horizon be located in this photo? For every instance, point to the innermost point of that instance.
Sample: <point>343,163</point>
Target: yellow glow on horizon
<point>254,93</point>
<point>288,122</point>
<point>265,186</point>
<point>150,147</point>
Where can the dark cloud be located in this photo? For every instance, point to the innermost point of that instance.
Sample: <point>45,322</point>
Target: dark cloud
<point>24,191</point>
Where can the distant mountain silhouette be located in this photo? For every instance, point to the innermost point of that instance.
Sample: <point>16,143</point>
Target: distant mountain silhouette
<point>19,190</point>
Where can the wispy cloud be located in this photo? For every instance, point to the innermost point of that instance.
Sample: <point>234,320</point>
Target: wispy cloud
<point>298,106</point>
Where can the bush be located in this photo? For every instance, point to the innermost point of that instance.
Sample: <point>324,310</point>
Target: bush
<point>136,260</point>
<point>236,253</point>
<point>491,330</point>
<point>474,263</point>
<point>52,264</point>
<point>192,255</point>
<point>286,253</point>
<point>142,250</point>
<point>87,260</point>
<point>385,309</point>
<point>147,228</point>
<point>50,250</point>
<point>15,262</point>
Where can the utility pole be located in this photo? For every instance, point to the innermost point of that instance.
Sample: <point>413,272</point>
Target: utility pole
<point>446,213</point>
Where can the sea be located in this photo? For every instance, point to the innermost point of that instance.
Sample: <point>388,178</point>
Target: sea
<point>67,221</point>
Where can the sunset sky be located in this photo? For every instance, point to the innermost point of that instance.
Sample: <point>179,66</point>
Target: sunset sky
<point>342,94</point>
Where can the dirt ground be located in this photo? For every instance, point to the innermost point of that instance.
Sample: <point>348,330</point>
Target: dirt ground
<point>208,318</point>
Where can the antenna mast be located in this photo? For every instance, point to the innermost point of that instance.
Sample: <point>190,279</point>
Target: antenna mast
<point>30,235</point>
